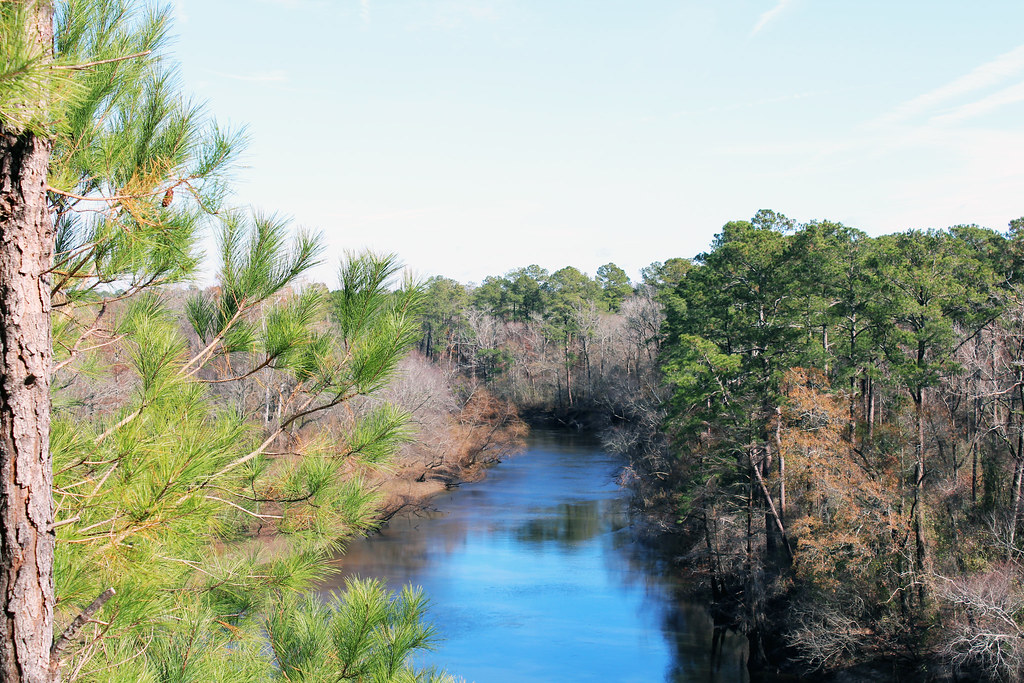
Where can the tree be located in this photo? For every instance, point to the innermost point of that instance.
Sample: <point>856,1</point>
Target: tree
<point>515,297</point>
<point>491,296</point>
<point>370,632</point>
<point>570,294</point>
<point>161,491</point>
<point>665,276</point>
<point>526,292</point>
<point>26,252</point>
<point>443,321</point>
<point>614,285</point>
<point>926,282</point>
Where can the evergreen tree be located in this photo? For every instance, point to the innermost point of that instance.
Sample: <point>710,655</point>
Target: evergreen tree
<point>444,324</point>
<point>156,499</point>
<point>614,285</point>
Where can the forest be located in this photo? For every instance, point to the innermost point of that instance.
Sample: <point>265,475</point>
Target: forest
<point>831,424</point>
<point>827,425</point>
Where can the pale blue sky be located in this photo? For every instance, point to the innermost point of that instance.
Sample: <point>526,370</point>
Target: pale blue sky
<point>476,136</point>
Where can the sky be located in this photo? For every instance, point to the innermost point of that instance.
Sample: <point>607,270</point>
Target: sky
<point>472,137</point>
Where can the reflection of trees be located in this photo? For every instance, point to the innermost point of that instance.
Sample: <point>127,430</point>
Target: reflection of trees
<point>401,552</point>
<point>566,523</point>
<point>702,650</point>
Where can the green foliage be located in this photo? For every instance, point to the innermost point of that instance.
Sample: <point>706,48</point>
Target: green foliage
<point>926,283</point>
<point>614,284</point>
<point>33,83</point>
<point>443,320</point>
<point>136,168</point>
<point>491,296</point>
<point>845,390</point>
<point>165,486</point>
<point>366,633</point>
<point>376,324</point>
<point>666,276</point>
<point>701,375</point>
<point>378,434</point>
<point>527,292</point>
<point>517,297</point>
<point>161,498</point>
<point>739,302</point>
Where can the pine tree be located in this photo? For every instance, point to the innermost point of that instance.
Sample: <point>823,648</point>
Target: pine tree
<point>26,248</point>
<point>163,489</point>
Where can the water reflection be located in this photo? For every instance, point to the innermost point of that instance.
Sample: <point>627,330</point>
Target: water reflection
<point>568,523</point>
<point>533,575</point>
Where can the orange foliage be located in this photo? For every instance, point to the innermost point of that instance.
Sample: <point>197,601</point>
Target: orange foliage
<point>846,517</point>
<point>487,428</point>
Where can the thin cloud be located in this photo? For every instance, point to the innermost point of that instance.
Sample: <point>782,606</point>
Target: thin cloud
<point>364,11</point>
<point>988,74</point>
<point>272,76</point>
<point>1008,95</point>
<point>771,14</point>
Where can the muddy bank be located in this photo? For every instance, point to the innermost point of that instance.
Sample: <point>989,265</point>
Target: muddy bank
<point>411,488</point>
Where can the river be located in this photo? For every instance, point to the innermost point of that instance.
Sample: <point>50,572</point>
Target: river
<point>533,575</point>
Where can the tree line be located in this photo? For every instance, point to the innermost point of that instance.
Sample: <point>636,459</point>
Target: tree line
<point>846,421</point>
<point>832,423</point>
<point>560,342</point>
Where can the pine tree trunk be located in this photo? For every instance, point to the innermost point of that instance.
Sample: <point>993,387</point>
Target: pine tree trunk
<point>976,420</point>
<point>1018,476</point>
<point>921,546</point>
<point>568,376</point>
<point>782,464</point>
<point>26,504</point>
<point>26,473</point>
<point>871,409</point>
<point>762,470</point>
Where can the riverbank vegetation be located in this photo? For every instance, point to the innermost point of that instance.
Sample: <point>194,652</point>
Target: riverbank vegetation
<point>848,414</point>
<point>832,423</point>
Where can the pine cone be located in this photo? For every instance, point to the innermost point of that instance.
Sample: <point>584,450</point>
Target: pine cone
<point>168,197</point>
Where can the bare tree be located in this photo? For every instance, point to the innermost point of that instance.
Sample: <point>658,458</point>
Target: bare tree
<point>985,633</point>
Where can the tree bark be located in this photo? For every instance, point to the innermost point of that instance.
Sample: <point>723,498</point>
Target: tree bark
<point>920,543</point>
<point>871,409</point>
<point>782,464</point>
<point>26,503</point>
<point>1018,474</point>
<point>773,514</point>
<point>568,376</point>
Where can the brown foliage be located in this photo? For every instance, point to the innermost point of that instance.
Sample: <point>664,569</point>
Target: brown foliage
<point>486,429</point>
<point>846,510</point>
<point>455,430</point>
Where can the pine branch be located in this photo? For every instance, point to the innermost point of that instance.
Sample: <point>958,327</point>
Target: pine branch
<point>88,65</point>
<point>71,632</point>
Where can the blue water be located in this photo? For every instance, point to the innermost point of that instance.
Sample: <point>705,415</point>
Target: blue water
<point>532,575</point>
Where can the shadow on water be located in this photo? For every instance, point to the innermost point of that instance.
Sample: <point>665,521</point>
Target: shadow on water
<point>533,574</point>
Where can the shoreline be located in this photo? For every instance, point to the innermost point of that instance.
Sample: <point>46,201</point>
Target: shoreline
<point>410,489</point>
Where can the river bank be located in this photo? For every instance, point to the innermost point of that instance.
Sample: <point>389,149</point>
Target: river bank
<point>458,430</point>
<point>411,489</point>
